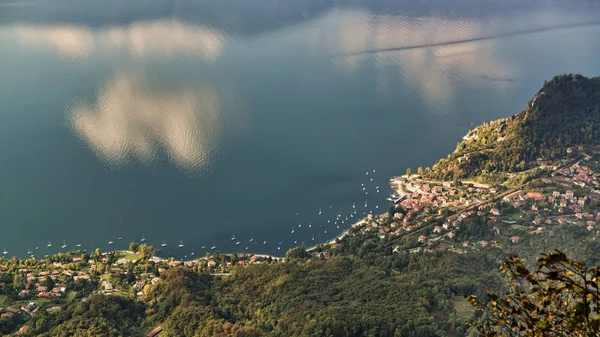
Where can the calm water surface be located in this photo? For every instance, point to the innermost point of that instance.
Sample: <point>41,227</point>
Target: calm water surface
<point>196,121</point>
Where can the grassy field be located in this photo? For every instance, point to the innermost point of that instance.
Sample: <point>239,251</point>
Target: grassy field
<point>70,296</point>
<point>464,309</point>
<point>131,257</point>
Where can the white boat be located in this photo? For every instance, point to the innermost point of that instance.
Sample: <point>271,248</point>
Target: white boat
<point>181,244</point>
<point>246,248</point>
<point>278,248</point>
<point>330,206</point>
<point>28,252</point>
<point>320,211</point>
<point>4,252</point>
<point>64,245</point>
<point>251,239</point>
<point>49,244</point>
<point>292,231</point>
<point>295,242</point>
<point>338,226</point>
<point>37,248</point>
<point>120,238</point>
<point>313,238</point>
<point>233,238</point>
<point>325,232</point>
<point>164,244</point>
<point>110,242</point>
<point>78,245</point>
<point>213,247</point>
<point>265,242</point>
<point>237,243</point>
<point>365,203</point>
<point>299,225</point>
<point>143,238</point>
<point>371,179</point>
<point>192,254</point>
<point>353,205</point>
<point>203,247</point>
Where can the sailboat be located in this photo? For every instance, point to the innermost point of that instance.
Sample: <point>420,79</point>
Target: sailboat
<point>213,247</point>
<point>28,251</point>
<point>192,254</point>
<point>237,243</point>
<point>78,245</point>
<point>143,238</point>
<point>265,242</point>
<point>353,205</point>
<point>365,203</point>
<point>233,237</point>
<point>164,244</point>
<point>330,206</point>
<point>181,244</point>
<point>320,212</point>
<point>64,245</point>
<point>120,238</point>
<point>292,231</point>
<point>251,239</point>
<point>309,224</point>
<point>110,242</point>
<point>5,252</point>
<point>49,244</point>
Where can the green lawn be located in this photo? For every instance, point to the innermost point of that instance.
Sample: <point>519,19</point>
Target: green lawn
<point>70,296</point>
<point>132,257</point>
<point>464,309</point>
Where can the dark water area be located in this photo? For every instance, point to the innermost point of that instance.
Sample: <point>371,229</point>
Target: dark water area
<point>195,121</point>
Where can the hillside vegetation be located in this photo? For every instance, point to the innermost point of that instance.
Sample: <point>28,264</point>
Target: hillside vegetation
<point>565,112</point>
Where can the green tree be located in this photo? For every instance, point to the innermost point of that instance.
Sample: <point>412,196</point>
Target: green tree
<point>49,282</point>
<point>409,172</point>
<point>133,246</point>
<point>560,298</point>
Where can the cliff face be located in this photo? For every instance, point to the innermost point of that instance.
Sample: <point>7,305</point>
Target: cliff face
<point>566,111</point>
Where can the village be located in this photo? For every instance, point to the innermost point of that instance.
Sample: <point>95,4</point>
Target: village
<point>28,286</point>
<point>439,215</point>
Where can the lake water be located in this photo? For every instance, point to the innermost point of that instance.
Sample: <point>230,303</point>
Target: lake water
<point>197,121</point>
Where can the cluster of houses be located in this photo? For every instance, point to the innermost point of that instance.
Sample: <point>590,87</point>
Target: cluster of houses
<point>424,203</point>
<point>418,194</point>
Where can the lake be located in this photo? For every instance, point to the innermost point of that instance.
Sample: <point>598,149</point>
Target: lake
<point>208,123</point>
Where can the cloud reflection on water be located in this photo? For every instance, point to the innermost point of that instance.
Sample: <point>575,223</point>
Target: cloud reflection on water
<point>130,120</point>
<point>431,71</point>
<point>163,38</point>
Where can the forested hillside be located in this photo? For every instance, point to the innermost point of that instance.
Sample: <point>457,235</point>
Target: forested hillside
<point>565,112</point>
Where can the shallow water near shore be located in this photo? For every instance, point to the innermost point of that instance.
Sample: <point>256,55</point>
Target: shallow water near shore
<point>216,122</point>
